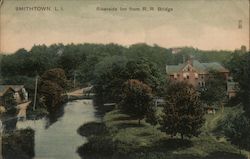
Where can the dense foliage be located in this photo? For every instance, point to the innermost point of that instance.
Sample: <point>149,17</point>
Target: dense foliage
<point>18,144</point>
<point>82,58</point>
<point>51,88</point>
<point>209,94</point>
<point>109,75</point>
<point>136,99</point>
<point>240,67</point>
<point>112,72</point>
<point>183,112</point>
<point>236,129</point>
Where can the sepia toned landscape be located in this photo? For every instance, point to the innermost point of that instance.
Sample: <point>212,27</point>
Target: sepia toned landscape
<point>125,79</point>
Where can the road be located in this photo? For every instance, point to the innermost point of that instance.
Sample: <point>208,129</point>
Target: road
<point>80,92</point>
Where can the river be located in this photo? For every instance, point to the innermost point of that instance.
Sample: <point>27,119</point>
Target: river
<point>60,140</point>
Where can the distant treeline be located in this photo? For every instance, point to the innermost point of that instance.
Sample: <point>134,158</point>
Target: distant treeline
<point>82,58</point>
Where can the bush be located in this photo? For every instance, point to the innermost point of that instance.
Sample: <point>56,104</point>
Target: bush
<point>92,128</point>
<point>18,145</point>
<point>237,130</point>
<point>101,145</point>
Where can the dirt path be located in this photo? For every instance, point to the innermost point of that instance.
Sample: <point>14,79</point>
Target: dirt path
<point>22,109</point>
<point>80,92</point>
<point>211,124</point>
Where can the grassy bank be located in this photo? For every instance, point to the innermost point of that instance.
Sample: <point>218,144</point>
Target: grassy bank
<point>122,137</point>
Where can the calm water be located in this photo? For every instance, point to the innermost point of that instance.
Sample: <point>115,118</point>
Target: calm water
<point>61,140</point>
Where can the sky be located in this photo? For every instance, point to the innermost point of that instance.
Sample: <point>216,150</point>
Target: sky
<point>203,24</point>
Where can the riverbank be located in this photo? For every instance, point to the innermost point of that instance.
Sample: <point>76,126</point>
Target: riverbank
<point>41,111</point>
<point>119,136</point>
<point>57,137</point>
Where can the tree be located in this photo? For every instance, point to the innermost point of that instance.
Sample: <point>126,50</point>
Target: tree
<point>112,72</point>
<point>55,75</point>
<point>51,86</point>
<point>239,65</point>
<point>70,59</point>
<point>136,99</point>
<point>109,78</point>
<point>209,94</point>
<point>151,115</point>
<point>145,71</point>
<point>43,58</point>
<point>158,55</point>
<point>237,130</point>
<point>183,112</point>
<point>14,64</point>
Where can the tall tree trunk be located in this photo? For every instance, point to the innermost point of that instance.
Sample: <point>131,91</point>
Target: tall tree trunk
<point>139,121</point>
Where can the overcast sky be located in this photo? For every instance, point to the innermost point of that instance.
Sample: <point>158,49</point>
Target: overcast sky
<point>204,24</point>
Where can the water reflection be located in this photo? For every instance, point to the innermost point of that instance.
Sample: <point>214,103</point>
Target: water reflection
<point>101,108</point>
<point>60,139</point>
<point>54,116</point>
<point>9,124</point>
<point>8,120</point>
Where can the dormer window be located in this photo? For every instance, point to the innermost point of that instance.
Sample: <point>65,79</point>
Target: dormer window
<point>187,68</point>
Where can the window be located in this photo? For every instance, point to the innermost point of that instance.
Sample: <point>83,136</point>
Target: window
<point>204,84</point>
<point>184,75</point>
<point>175,75</point>
<point>196,75</point>
<point>16,95</point>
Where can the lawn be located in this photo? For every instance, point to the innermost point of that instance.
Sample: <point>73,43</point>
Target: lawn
<point>119,136</point>
<point>146,141</point>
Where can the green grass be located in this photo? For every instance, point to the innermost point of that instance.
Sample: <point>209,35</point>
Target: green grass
<point>212,121</point>
<point>146,141</point>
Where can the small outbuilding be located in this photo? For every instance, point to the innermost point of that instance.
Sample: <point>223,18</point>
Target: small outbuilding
<point>6,93</point>
<point>18,92</point>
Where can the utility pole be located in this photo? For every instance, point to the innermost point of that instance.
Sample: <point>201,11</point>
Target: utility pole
<point>74,79</point>
<point>1,141</point>
<point>34,103</point>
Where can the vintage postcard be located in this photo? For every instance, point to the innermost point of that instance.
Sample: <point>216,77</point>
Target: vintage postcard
<point>124,79</point>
